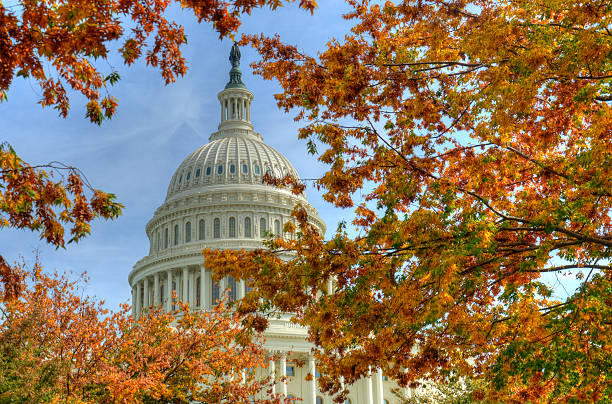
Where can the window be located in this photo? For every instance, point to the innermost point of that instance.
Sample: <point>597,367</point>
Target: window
<point>219,169</point>
<point>384,378</point>
<point>256,169</point>
<point>247,227</point>
<point>385,401</point>
<point>277,227</point>
<point>188,232</point>
<point>180,179</point>
<point>232,169</point>
<point>166,238</point>
<point>290,371</point>
<point>262,228</point>
<point>231,282</point>
<point>215,293</point>
<point>245,169</point>
<point>188,175</point>
<point>317,374</point>
<point>201,228</point>
<point>269,172</point>
<point>197,173</point>
<point>319,400</point>
<point>208,170</point>
<point>348,401</point>
<point>176,234</point>
<point>217,228</point>
<point>232,227</point>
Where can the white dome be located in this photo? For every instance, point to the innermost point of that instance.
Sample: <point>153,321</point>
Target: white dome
<point>228,160</point>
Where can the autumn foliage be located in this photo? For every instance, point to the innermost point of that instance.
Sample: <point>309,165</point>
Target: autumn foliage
<point>58,44</point>
<point>49,200</point>
<point>479,135</point>
<point>56,344</point>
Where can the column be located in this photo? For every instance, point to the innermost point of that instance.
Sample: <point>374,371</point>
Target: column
<point>273,375</point>
<point>241,289</point>
<point>223,287</point>
<point>370,395</point>
<point>330,286</point>
<point>138,302</point>
<point>379,386</point>
<point>169,291</point>
<point>147,303</point>
<point>134,301</point>
<point>204,289</point>
<point>156,299</point>
<point>192,289</point>
<point>184,296</point>
<point>313,382</point>
<point>342,383</point>
<point>283,368</point>
<point>209,281</point>
<point>243,372</point>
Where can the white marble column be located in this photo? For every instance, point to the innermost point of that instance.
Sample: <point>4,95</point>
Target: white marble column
<point>223,283</point>
<point>138,302</point>
<point>244,376</point>
<point>241,289</point>
<point>379,386</point>
<point>209,283</point>
<point>192,289</point>
<point>184,296</point>
<point>283,369</point>
<point>313,382</point>
<point>169,291</point>
<point>370,394</point>
<point>134,301</point>
<point>272,369</point>
<point>156,299</point>
<point>203,288</point>
<point>147,302</point>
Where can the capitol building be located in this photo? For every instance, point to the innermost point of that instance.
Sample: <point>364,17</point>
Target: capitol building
<point>216,199</point>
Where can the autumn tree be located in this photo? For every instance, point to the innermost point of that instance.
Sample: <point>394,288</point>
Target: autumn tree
<point>56,344</point>
<point>479,134</point>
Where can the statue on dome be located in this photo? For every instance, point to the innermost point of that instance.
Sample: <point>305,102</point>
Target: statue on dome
<point>235,55</point>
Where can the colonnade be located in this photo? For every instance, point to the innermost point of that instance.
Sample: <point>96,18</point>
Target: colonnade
<point>192,284</point>
<point>281,382</point>
<point>235,108</point>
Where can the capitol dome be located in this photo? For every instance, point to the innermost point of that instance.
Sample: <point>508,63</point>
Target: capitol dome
<point>216,199</point>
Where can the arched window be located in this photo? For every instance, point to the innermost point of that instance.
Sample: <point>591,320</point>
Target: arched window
<point>197,173</point>
<point>245,169</point>
<point>256,169</point>
<point>197,297</point>
<point>176,234</point>
<point>217,228</point>
<point>219,169</point>
<point>319,400</point>
<point>188,175</point>
<point>166,238</point>
<point>231,283</point>
<point>232,169</point>
<point>208,170</point>
<point>262,228</point>
<point>247,227</point>
<point>215,293</point>
<point>232,227</point>
<point>201,228</point>
<point>188,232</point>
<point>277,227</point>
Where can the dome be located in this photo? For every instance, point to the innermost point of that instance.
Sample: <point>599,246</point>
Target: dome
<point>229,160</point>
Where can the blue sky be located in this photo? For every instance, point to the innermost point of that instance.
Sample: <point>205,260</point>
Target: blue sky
<point>135,154</point>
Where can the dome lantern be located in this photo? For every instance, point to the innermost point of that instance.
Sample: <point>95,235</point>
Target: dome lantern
<point>235,102</point>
